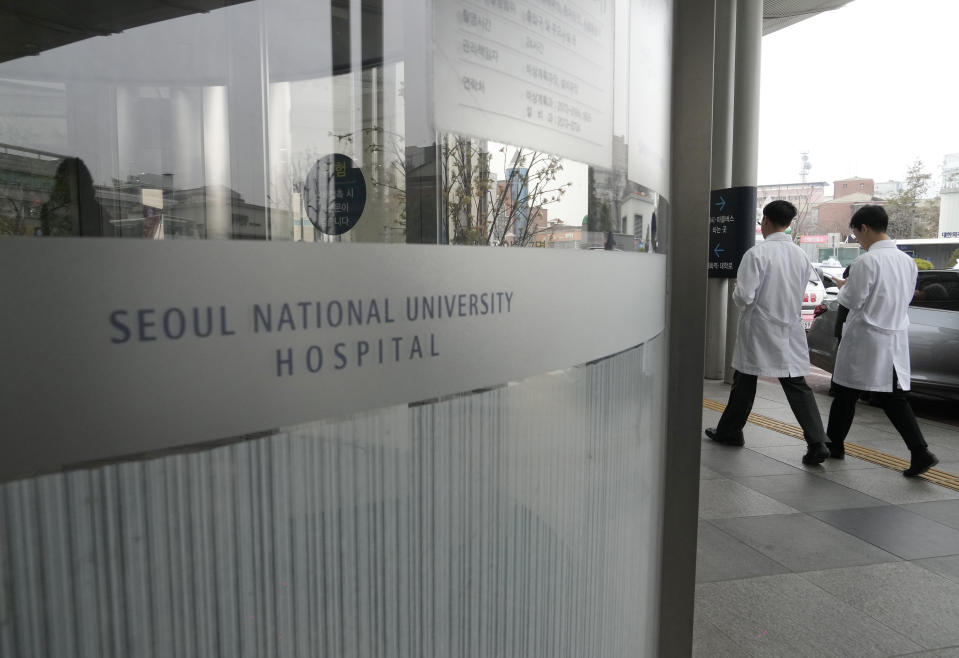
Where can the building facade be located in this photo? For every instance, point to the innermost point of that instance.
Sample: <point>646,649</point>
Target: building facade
<point>888,189</point>
<point>949,198</point>
<point>805,196</point>
<point>849,195</point>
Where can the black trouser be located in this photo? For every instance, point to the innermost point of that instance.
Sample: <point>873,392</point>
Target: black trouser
<point>893,403</point>
<point>798,394</point>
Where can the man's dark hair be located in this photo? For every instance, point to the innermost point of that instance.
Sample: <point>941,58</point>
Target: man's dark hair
<point>780,212</point>
<point>874,217</point>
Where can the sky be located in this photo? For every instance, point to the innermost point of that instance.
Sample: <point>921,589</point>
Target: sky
<point>865,89</point>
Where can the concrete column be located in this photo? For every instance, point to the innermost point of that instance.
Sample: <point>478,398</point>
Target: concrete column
<point>692,96</point>
<point>749,34</point>
<point>722,161</point>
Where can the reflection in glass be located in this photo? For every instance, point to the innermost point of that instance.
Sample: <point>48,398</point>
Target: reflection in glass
<point>213,136</point>
<point>502,195</point>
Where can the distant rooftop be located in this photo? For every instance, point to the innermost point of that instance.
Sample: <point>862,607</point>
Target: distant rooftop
<point>811,183</point>
<point>854,197</point>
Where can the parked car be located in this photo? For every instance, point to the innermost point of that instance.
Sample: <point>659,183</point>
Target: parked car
<point>815,294</point>
<point>933,334</point>
<point>828,281</point>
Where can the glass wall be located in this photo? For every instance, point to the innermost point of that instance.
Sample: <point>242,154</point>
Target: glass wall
<point>224,434</point>
<point>226,124</point>
<point>508,522</point>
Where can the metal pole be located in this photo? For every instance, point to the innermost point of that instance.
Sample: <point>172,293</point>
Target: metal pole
<point>749,33</point>
<point>722,159</point>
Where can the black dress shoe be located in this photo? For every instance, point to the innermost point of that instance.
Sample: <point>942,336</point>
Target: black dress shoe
<point>735,440</point>
<point>816,454</point>
<point>920,463</point>
<point>836,450</point>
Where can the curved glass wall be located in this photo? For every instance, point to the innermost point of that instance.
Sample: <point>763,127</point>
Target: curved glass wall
<point>544,125</point>
<point>227,433</point>
<point>513,521</point>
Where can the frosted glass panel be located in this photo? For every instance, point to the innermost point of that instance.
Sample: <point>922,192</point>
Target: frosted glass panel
<point>518,521</point>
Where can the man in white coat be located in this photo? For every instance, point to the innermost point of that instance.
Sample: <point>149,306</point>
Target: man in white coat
<point>873,354</point>
<point>772,278</point>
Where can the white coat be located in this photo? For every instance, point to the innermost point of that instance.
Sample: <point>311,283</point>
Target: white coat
<point>771,281</point>
<point>876,333</point>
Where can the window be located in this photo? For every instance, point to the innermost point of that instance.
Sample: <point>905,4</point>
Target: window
<point>937,290</point>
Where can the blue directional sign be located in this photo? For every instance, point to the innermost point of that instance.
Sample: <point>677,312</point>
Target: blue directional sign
<point>732,229</point>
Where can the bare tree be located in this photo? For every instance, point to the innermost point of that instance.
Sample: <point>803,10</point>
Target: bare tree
<point>909,215</point>
<point>480,208</point>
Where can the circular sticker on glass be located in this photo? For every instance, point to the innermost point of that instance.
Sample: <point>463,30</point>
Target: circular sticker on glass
<point>334,194</point>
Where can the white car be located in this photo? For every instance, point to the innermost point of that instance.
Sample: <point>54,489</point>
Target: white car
<point>814,296</point>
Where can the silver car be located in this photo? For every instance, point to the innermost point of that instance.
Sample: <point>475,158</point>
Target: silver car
<point>933,334</point>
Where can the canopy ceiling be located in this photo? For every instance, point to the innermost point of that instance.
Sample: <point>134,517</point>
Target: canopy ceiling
<point>778,14</point>
<point>29,27</point>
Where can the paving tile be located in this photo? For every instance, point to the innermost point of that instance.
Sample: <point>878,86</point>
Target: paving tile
<point>873,417</point>
<point>896,446</point>
<point>945,431</point>
<point>715,387</point>
<point>947,454</point>
<point>903,596</point>
<point>949,467</point>
<point>757,437</point>
<point>722,557</point>
<point>771,408</point>
<point>793,455</point>
<point>708,474</point>
<point>784,414</point>
<point>807,492</point>
<point>710,642</point>
<point>776,615</point>
<point>868,434</point>
<point>952,652</point>
<point>947,567</point>
<point>722,498</point>
<point>710,417</point>
<point>890,486</point>
<point>890,445</point>
<point>711,446</point>
<point>741,462</point>
<point>893,529</point>
<point>943,511</point>
<point>801,542</point>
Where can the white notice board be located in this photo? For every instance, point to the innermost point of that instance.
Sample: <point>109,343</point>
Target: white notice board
<point>533,73</point>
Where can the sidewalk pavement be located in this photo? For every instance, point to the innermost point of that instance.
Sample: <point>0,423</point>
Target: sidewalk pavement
<point>844,559</point>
